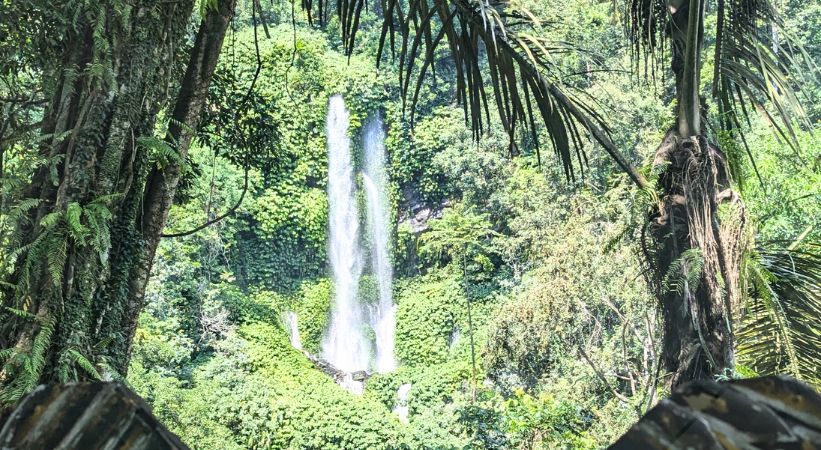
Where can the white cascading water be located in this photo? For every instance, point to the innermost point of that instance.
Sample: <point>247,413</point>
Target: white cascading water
<point>401,409</point>
<point>345,346</point>
<point>292,324</point>
<point>375,182</point>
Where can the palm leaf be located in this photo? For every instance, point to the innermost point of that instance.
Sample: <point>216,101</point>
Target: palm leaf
<point>485,37</point>
<point>779,331</point>
<point>757,64</point>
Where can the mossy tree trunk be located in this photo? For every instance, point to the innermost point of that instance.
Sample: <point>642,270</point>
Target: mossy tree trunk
<point>698,226</point>
<point>91,218</point>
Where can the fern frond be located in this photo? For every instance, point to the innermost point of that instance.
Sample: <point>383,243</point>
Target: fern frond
<point>684,271</point>
<point>75,226</point>
<point>19,313</point>
<point>51,219</point>
<point>57,253</point>
<point>84,363</point>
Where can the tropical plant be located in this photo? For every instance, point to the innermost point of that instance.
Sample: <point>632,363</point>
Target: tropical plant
<point>463,235</point>
<point>779,331</point>
<point>698,209</point>
<point>89,219</point>
<point>699,227</point>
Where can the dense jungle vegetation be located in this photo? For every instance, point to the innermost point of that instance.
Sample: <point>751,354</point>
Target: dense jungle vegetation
<point>164,173</point>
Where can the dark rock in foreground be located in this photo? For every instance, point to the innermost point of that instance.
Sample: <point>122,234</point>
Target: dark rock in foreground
<point>760,413</point>
<point>87,416</point>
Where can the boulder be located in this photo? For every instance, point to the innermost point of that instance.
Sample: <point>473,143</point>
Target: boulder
<point>87,416</point>
<point>759,413</point>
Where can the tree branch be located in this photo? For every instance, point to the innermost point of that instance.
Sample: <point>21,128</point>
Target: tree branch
<point>207,224</point>
<point>603,379</point>
<point>242,105</point>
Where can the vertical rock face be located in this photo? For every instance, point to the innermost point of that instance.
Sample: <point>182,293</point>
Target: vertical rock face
<point>759,413</point>
<point>87,416</point>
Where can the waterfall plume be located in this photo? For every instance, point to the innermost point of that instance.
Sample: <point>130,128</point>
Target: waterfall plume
<point>375,182</point>
<point>345,345</point>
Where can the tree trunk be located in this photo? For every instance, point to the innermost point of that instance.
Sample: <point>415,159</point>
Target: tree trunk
<point>698,226</point>
<point>162,183</point>
<point>84,251</point>
<point>698,232</point>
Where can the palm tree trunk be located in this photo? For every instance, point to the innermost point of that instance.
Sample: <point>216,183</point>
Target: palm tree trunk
<point>689,107</point>
<point>696,251</point>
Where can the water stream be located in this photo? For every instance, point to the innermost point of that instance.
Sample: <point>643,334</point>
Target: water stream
<point>292,325</point>
<point>345,346</point>
<point>375,182</point>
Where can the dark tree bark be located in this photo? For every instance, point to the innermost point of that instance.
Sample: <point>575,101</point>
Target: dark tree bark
<point>84,252</point>
<point>162,183</point>
<point>696,251</point>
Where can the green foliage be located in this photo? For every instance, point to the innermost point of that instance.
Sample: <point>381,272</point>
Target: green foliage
<point>459,235</point>
<point>430,311</point>
<point>684,273</point>
<point>523,421</point>
<point>312,303</point>
<point>25,366</point>
<point>546,422</point>
<point>777,332</point>
<point>551,266</point>
<point>257,392</point>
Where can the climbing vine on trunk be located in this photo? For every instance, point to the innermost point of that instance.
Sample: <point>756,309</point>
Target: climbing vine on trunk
<point>87,225</point>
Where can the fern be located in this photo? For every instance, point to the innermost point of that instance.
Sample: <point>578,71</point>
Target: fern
<point>206,5</point>
<point>51,219</point>
<point>24,368</point>
<point>684,271</point>
<point>20,313</point>
<point>160,151</point>
<point>5,354</point>
<point>76,229</point>
<point>56,258</point>
<point>23,206</point>
<point>83,363</point>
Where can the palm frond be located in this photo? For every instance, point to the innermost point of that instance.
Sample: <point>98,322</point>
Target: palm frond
<point>496,52</point>
<point>779,331</point>
<point>758,64</point>
<point>647,26</point>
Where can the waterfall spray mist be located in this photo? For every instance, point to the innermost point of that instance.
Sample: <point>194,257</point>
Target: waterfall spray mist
<point>375,182</point>
<point>345,346</point>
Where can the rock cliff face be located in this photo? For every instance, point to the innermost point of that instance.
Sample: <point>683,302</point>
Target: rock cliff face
<point>86,416</point>
<point>760,413</point>
<point>416,213</point>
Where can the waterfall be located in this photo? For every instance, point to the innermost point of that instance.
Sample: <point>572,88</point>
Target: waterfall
<point>292,324</point>
<point>345,346</point>
<point>401,408</point>
<point>375,182</point>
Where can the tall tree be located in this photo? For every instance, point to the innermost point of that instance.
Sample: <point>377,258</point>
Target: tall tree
<point>85,228</point>
<point>699,229</point>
